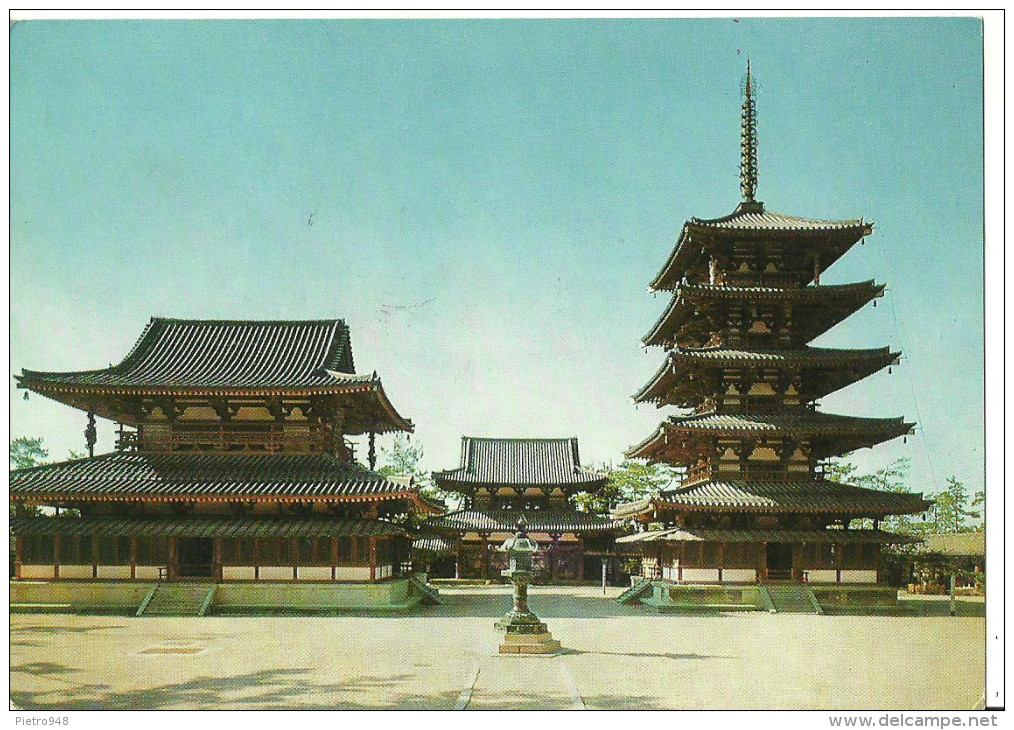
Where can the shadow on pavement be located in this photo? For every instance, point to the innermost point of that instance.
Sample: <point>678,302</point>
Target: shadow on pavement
<point>267,689</point>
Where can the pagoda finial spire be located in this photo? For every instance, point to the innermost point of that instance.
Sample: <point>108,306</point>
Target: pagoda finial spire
<point>748,158</point>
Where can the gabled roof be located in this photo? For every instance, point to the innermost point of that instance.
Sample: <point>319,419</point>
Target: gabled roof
<point>209,476</point>
<point>518,461</point>
<point>202,354</point>
<point>751,219</point>
<point>809,495</point>
<point>536,520</point>
<point>187,358</point>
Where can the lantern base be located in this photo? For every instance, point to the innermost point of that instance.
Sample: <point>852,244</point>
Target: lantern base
<point>524,633</point>
<point>521,622</point>
<point>529,644</point>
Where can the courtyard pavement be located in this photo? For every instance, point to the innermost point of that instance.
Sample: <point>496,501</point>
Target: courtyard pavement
<point>443,657</point>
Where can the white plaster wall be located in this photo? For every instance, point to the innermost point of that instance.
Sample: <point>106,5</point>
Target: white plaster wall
<point>115,572</point>
<point>739,575</point>
<point>238,572</point>
<point>700,575</point>
<point>147,572</point>
<point>74,571</point>
<point>37,571</point>
<point>313,572</point>
<point>859,576</point>
<point>275,572</point>
<point>351,572</point>
<point>822,576</point>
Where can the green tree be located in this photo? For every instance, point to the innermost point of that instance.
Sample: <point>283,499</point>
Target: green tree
<point>27,451</point>
<point>628,482</point>
<point>953,507</point>
<point>891,478</point>
<point>403,460</point>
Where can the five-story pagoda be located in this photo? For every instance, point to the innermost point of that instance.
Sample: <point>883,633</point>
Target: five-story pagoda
<point>754,506</point>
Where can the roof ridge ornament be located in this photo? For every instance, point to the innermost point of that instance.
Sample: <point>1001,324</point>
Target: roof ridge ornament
<point>748,154</point>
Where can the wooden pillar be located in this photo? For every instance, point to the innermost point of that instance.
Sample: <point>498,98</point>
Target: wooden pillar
<point>457,556</point>
<point>554,544</point>
<point>294,556</point>
<point>216,560</point>
<point>373,559</point>
<point>762,562</point>
<point>257,558</point>
<point>335,556</point>
<point>721,560</point>
<point>95,556</point>
<point>580,557</point>
<point>133,557</point>
<point>19,547</point>
<point>485,555</point>
<point>57,544</point>
<point>877,563</point>
<point>679,561</point>
<point>837,562</point>
<point>797,562</point>
<point>173,558</point>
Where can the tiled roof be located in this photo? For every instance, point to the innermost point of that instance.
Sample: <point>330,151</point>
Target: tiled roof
<point>835,236</point>
<point>971,544</point>
<point>548,520</point>
<point>854,432</point>
<point>536,462</point>
<point>830,303</point>
<point>814,292</point>
<point>796,536</point>
<point>225,354</point>
<point>805,422</point>
<point>218,476</point>
<point>681,360</point>
<point>778,496</point>
<point>753,217</point>
<point>437,544</point>
<point>803,357</point>
<point>202,527</point>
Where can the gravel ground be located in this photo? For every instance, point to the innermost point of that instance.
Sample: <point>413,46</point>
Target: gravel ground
<point>443,657</point>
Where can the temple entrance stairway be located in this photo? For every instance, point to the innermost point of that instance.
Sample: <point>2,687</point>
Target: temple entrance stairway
<point>792,598</point>
<point>639,587</point>
<point>428,592</point>
<point>178,599</point>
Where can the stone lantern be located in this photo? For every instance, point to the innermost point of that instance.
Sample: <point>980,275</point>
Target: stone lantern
<point>524,633</point>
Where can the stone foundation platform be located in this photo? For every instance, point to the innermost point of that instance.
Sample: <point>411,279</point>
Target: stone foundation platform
<point>543,643</point>
<point>262,598</point>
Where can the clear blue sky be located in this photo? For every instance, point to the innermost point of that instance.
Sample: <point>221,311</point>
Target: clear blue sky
<point>489,200</point>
